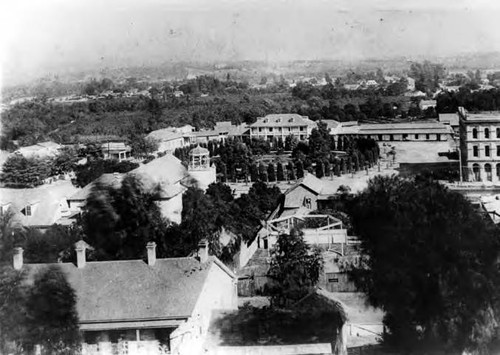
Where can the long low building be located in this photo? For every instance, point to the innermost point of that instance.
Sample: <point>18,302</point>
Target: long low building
<point>407,131</point>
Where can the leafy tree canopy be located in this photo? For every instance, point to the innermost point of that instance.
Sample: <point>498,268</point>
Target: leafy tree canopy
<point>294,270</point>
<point>430,261</point>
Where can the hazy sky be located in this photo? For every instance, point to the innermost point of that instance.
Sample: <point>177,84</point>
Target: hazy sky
<point>42,36</point>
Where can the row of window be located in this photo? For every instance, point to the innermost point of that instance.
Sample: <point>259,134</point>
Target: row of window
<point>487,151</point>
<point>476,172</point>
<point>278,129</point>
<point>475,133</point>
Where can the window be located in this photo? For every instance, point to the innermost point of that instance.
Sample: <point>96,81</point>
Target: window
<point>498,150</point>
<point>474,133</point>
<point>260,129</point>
<point>475,151</point>
<point>302,129</point>
<point>416,136</point>
<point>391,137</point>
<point>380,137</point>
<point>487,170</point>
<point>498,132</point>
<point>427,136</point>
<point>405,136</point>
<point>270,129</point>
<point>486,133</point>
<point>438,137</point>
<point>487,150</point>
<point>28,210</point>
<point>333,279</point>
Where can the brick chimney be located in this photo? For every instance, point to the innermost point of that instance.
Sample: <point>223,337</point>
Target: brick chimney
<point>151,248</point>
<point>18,258</point>
<point>80,248</point>
<point>203,250</point>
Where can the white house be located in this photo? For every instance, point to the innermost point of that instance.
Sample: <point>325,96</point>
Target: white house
<point>157,306</point>
<point>173,137</point>
<point>38,207</point>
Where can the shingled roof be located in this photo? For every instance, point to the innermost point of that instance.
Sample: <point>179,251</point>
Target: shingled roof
<point>117,294</point>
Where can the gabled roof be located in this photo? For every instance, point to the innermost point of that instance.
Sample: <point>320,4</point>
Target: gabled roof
<point>47,201</point>
<point>132,291</point>
<point>312,183</point>
<point>283,120</point>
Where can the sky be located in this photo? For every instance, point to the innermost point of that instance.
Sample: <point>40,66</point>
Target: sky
<point>38,37</point>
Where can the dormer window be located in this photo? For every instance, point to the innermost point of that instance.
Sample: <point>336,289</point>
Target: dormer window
<point>278,120</point>
<point>290,120</point>
<point>27,210</point>
<point>265,120</point>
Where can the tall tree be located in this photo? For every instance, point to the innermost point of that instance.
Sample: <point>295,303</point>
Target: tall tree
<point>18,171</point>
<point>118,223</point>
<point>439,290</point>
<point>294,270</point>
<point>52,316</point>
<point>271,172</point>
<point>280,174</point>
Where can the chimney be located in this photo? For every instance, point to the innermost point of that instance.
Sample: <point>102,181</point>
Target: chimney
<point>80,248</point>
<point>203,250</point>
<point>151,248</point>
<point>18,258</point>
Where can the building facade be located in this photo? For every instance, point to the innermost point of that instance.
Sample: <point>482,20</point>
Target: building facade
<point>393,132</point>
<point>480,145</point>
<point>152,307</point>
<point>280,126</point>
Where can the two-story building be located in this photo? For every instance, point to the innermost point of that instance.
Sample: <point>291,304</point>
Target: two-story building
<point>480,145</point>
<point>278,126</point>
<point>173,137</point>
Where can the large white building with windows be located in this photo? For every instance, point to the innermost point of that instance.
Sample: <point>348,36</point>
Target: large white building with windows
<point>282,125</point>
<point>480,145</point>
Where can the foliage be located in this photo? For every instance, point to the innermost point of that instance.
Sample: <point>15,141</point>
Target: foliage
<point>20,172</point>
<point>427,75</point>
<point>52,316</point>
<point>481,100</point>
<point>143,146</point>
<point>439,290</point>
<point>118,223</point>
<point>12,309</point>
<point>93,169</point>
<point>294,269</point>
<point>42,313</point>
<point>319,143</point>
<point>65,161</point>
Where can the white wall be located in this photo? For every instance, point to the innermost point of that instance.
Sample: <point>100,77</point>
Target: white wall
<point>172,208</point>
<point>219,293</point>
